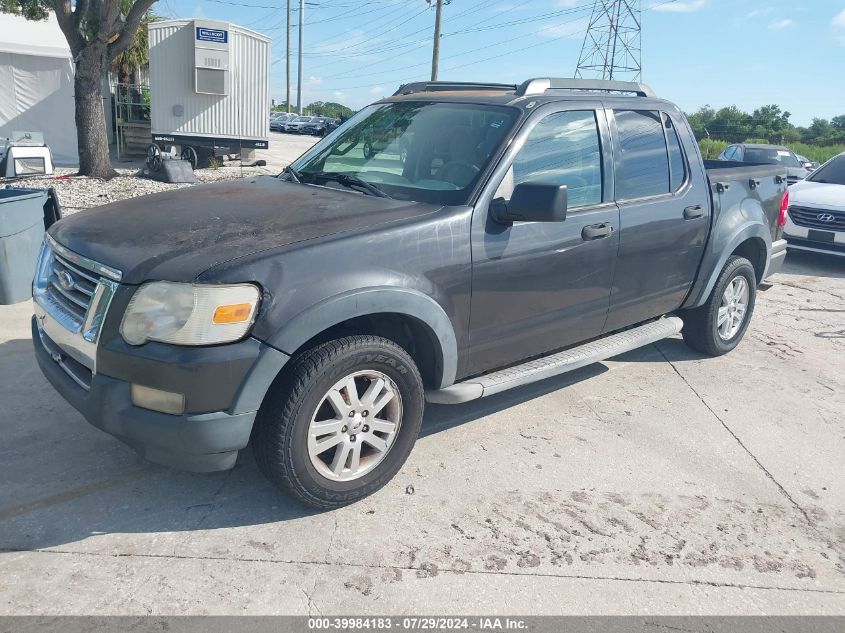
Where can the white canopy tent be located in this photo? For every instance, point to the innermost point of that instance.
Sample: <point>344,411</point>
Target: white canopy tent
<point>36,84</point>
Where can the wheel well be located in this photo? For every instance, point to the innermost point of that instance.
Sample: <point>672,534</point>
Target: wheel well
<point>754,250</point>
<point>414,336</point>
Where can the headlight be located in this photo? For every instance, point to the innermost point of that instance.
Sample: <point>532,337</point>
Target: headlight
<point>189,314</point>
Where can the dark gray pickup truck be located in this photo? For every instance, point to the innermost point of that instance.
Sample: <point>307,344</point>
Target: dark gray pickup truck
<point>525,231</point>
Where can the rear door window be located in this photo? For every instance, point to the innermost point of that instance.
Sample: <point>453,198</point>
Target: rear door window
<point>642,162</point>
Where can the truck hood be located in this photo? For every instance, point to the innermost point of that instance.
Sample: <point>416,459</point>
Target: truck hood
<point>822,195</point>
<point>176,235</point>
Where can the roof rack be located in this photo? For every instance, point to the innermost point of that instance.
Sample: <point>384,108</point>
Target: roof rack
<point>440,86</point>
<point>540,85</point>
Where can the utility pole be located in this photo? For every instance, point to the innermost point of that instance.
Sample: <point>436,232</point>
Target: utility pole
<point>299,69</point>
<point>287,61</point>
<point>435,53</point>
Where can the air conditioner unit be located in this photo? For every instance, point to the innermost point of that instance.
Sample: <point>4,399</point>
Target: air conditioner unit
<point>211,57</point>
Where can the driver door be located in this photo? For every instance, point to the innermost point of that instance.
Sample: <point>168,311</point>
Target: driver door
<point>541,286</point>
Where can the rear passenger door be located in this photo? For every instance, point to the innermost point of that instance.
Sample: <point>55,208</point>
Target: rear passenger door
<point>663,214</point>
<point>539,286</point>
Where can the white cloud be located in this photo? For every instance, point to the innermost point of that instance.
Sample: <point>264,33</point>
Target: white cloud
<point>780,25</point>
<point>756,13</point>
<point>679,7</point>
<point>839,27</point>
<point>574,29</point>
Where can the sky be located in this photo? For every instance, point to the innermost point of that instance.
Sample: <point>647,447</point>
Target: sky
<point>747,53</point>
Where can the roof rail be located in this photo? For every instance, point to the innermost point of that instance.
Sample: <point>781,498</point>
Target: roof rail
<point>540,85</point>
<point>440,86</point>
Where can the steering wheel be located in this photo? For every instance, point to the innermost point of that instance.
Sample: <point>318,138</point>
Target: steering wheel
<point>450,171</point>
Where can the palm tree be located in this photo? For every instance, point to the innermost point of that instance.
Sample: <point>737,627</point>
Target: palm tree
<point>128,66</point>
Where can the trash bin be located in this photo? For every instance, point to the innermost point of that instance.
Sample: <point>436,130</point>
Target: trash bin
<point>21,235</point>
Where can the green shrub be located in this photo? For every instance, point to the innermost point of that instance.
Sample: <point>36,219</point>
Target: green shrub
<point>711,148</point>
<point>818,153</point>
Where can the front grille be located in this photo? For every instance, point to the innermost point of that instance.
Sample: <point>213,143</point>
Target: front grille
<point>810,218</point>
<point>71,287</point>
<point>72,294</point>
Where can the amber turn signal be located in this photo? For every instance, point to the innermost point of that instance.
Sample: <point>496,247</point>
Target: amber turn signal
<point>237,313</point>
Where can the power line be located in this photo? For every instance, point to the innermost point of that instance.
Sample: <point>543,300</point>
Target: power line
<point>351,49</point>
<point>494,44</point>
<point>401,8</point>
<point>382,48</point>
<point>310,5</point>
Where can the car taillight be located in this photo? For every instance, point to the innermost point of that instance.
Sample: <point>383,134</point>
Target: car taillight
<point>784,207</point>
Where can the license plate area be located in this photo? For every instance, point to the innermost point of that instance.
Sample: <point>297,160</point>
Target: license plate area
<point>821,236</point>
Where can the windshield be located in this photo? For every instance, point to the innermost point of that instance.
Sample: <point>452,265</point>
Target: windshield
<point>302,119</point>
<point>771,156</point>
<point>427,152</point>
<point>832,172</point>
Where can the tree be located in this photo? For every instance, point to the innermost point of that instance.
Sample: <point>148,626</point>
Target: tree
<point>329,108</point>
<point>127,63</point>
<point>97,31</point>
<point>771,123</point>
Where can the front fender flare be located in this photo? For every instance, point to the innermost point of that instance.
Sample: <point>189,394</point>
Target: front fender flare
<point>367,301</point>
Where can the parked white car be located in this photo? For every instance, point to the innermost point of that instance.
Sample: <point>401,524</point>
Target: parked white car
<point>816,218</point>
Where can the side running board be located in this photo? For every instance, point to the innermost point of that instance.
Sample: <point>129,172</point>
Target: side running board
<point>555,364</point>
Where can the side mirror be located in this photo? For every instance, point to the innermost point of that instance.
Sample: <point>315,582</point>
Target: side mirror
<point>532,202</point>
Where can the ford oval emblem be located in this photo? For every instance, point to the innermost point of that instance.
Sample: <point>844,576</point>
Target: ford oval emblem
<point>66,280</point>
<point>825,217</point>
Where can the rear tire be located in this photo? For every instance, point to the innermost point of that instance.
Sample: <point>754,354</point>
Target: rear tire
<point>377,418</point>
<point>718,326</point>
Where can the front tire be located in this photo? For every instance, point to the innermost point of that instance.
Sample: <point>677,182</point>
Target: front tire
<point>341,422</point>
<point>718,326</point>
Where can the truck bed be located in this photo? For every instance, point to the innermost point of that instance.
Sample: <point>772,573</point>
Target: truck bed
<point>728,170</point>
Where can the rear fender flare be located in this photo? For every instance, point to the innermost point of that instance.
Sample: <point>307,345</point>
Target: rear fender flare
<point>711,270</point>
<point>357,303</point>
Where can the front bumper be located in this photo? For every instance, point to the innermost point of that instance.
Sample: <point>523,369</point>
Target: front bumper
<point>198,441</point>
<point>798,239</point>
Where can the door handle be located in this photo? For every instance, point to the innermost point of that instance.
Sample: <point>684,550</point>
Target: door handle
<point>691,213</point>
<point>596,231</point>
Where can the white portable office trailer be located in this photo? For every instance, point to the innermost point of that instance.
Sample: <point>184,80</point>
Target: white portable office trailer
<point>209,85</point>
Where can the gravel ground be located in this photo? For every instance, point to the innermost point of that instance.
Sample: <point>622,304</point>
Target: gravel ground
<point>80,192</point>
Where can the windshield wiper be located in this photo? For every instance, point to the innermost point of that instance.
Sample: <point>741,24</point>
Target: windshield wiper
<point>349,180</point>
<point>297,177</point>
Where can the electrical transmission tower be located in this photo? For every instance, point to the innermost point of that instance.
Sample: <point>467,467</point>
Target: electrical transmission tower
<point>612,46</point>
